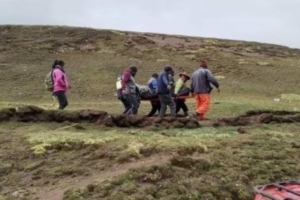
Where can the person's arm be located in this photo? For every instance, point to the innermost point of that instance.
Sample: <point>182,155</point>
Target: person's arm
<point>212,79</point>
<point>67,82</point>
<point>125,79</point>
<point>165,80</point>
<point>58,78</point>
<point>192,86</point>
<point>178,86</point>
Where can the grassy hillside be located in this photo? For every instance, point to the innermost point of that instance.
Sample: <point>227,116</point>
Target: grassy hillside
<point>95,57</point>
<point>53,161</point>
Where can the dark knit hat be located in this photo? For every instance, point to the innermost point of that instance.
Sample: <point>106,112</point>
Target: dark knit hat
<point>203,63</point>
<point>168,68</point>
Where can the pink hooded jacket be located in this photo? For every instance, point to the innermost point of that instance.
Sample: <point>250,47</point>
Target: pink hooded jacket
<point>60,80</point>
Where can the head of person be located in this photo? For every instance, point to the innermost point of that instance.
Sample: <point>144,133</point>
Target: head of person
<point>58,64</point>
<point>155,75</point>
<point>184,76</point>
<point>168,70</point>
<point>133,70</point>
<point>203,64</point>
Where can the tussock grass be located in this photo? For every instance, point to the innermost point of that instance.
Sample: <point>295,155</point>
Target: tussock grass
<point>42,139</point>
<point>228,170</point>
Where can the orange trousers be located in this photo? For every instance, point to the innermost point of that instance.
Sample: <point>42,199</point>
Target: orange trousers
<point>202,104</point>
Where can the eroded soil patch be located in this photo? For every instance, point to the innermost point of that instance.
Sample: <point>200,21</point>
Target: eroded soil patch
<point>35,114</point>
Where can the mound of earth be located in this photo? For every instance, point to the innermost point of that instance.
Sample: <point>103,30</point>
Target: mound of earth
<point>36,114</point>
<point>258,117</point>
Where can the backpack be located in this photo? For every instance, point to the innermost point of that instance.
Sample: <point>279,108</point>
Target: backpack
<point>49,83</point>
<point>119,86</point>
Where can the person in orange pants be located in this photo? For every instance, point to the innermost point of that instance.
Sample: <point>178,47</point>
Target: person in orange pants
<point>201,89</point>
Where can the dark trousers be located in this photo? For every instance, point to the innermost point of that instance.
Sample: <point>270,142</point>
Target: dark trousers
<point>126,104</point>
<point>134,103</point>
<point>167,100</point>
<point>62,99</point>
<point>180,104</point>
<point>155,104</point>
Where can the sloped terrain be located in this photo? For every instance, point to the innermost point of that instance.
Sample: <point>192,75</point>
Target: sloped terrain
<point>94,58</point>
<point>84,162</point>
<point>90,151</point>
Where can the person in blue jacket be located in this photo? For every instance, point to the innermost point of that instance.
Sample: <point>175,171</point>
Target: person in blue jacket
<point>165,86</point>
<point>155,103</point>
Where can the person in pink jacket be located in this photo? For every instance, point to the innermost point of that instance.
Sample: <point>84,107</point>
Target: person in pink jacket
<point>60,84</point>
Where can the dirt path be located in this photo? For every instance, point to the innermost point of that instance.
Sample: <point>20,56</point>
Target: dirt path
<point>56,192</point>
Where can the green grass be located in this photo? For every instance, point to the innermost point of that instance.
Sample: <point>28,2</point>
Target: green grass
<point>228,169</point>
<point>209,163</point>
<point>42,138</point>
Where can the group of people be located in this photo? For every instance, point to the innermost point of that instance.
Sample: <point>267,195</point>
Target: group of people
<point>162,91</point>
<point>165,92</point>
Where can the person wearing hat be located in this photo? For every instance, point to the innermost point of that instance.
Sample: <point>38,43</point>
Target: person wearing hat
<point>200,86</point>
<point>181,90</point>
<point>164,87</point>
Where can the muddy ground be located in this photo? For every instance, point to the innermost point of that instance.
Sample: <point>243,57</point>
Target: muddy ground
<point>35,114</point>
<point>226,168</point>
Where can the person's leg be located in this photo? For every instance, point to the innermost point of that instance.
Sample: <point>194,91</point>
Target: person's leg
<point>178,103</point>
<point>204,107</point>
<point>126,104</point>
<point>158,106</point>
<point>163,107</point>
<point>172,106</point>
<point>134,104</point>
<point>153,109</point>
<point>62,99</point>
<point>185,108</point>
<point>198,105</point>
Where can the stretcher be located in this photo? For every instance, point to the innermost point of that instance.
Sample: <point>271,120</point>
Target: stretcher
<point>278,191</point>
<point>175,98</point>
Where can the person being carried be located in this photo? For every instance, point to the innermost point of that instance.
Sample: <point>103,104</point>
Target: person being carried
<point>130,90</point>
<point>155,104</point>
<point>60,84</point>
<point>200,86</point>
<point>164,92</point>
<point>182,90</point>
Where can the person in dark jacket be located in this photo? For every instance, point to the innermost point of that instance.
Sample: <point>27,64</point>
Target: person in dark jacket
<point>155,104</point>
<point>164,92</point>
<point>200,86</point>
<point>120,96</point>
<point>130,90</point>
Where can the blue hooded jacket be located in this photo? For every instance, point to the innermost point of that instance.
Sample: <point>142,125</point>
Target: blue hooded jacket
<point>162,83</point>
